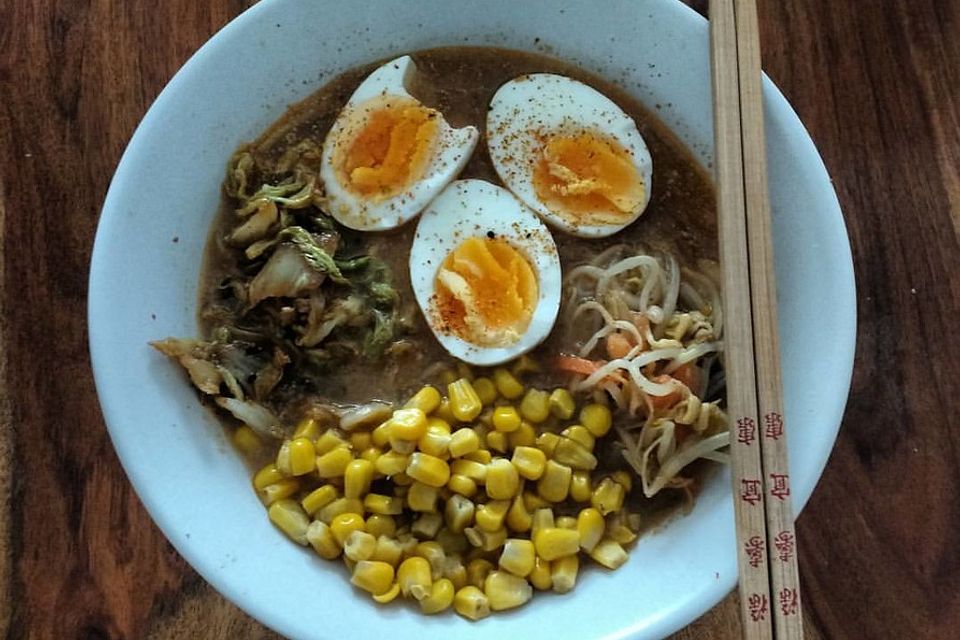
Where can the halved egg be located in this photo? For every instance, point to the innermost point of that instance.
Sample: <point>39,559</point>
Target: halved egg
<point>387,155</point>
<point>569,153</point>
<point>485,272</point>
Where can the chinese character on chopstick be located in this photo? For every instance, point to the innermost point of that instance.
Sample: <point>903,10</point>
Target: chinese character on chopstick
<point>789,601</point>
<point>757,606</point>
<point>750,491</point>
<point>784,545</point>
<point>779,486</point>
<point>746,430</point>
<point>754,548</point>
<point>773,425</point>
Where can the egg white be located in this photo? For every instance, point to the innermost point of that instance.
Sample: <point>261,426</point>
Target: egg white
<point>452,149</point>
<point>529,107</point>
<point>469,208</point>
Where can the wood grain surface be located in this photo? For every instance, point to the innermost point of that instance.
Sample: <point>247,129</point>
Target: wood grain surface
<point>876,83</point>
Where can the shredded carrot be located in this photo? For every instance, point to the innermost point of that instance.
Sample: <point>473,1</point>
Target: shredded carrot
<point>573,364</point>
<point>667,401</point>
<point>688,375</point>
<point>618,345</point>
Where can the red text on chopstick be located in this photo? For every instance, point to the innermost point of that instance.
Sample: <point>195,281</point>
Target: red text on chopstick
<point>773,425</point>
<point>746,430</point>
<point>754,548</point>
<point>784,543</point>
<point>789,601</point>
<point>750,491</point>
<point>757,606</point>
<point>779,487</point>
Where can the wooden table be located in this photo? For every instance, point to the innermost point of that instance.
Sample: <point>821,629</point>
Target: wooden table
<point>876,83</point>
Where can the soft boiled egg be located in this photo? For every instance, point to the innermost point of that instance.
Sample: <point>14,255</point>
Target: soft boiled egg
<point>387,154</point>
<point>485,272</point>
<point>569,153</point>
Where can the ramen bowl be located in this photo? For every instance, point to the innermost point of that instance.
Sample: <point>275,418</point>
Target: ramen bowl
<point>149,249</point>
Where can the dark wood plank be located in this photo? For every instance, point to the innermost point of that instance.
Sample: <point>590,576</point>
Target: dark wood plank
<point>878,86</point>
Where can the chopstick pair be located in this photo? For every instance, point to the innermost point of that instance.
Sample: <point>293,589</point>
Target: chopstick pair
<point>770,603</point>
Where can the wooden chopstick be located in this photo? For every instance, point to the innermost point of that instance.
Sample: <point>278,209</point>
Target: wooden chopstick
<point>761,500</point>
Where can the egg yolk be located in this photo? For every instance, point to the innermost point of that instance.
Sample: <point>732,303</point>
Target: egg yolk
<point>589,178</point>
<point>391,150</point>
<point>486,292</point>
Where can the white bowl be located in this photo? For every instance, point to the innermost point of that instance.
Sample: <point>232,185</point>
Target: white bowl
<point>143,286</point>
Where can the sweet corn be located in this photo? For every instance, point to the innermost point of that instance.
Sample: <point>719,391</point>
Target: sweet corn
<point>486,390</point>
<point>464,402</point>
<point>462,484</point>
<point>518,518</point>
<point>524,365</point>
<point>506,419</point>
<point>388,550</point>
<point>319,498</point>
<point>580,486</point>
<point>454,571</point>
<point>370,454</point>
<point>334,463</point>
<point>624,479</point>
<point>458,513</point>
<point>391,463</point>
<point>359,546</point>
<point>471,469</point>
<point>379,524</point>
<point>389,595</point>
<point>434,554</point>
<point>247,441</point>
<point>307,428</point>
<point>566,522</point>
<point>506,591</point>
<point>542,519</point>
<point>435,442</point>
<point>405,447</point>
<point>378,503</point>
<point>482,456</point>
<point>373,576</point>
<point>486,540</point>
<point>408,424</point>
<point>477,571</point>
<point>517,557</point>
<point>590,526</point>
<point>329,441</point>
<point>471,603</point>
<point>498,441</point>
<point>563,573</point>
<point>290,518</point>
<point>503,481</point>
<point>609,553</point>
<point>321,539</point>
<point>524,436</point>
<point>448,376</point>
<point>529,461</point>
<point>490,516</point>
<point>345,524</point>
<point>540,575</point>
<point>445,412</point>
<point>532,501</point>
<point>357,478</point>
<point>279,490</point>
<point>268,475</point>
<point>607,497</point>
<point>422,497</point>
<point>554,484</point>
<point>535,406</point>
<point>401,483</point>
<point>554,542</point>
<point>547,442</point>
<point>440,597</point>
<point>561,404</point>
<point>508,386</point>
<point>463,441</point>
<point>578,433</point>
<point>361,440</point>
<point>574,454</point>
<point>381,435</point>
<point>597,419</point>
<point>427,525</point>
<point>415,577</point>
<point>428,469</point>
<point>339,506</point>
<point>426,399</point>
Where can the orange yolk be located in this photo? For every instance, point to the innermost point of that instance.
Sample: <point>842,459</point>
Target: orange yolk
<point>391,150</point>
<point>486,292</point>
<point>589,178</point>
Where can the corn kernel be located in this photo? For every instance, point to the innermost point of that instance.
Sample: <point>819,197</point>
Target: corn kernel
<point>339,506</point>
<point>503,481</point>
<point>370,454</point>
<point>517,557</point>
<point>422,497</point>
<point>508,386</point>
<point>285,488</point>
<point>458,513</point>
<point>473,470</point>
<point>381,435</point>
<point>334,463</point>
<point>547,442</point>
<point>518,518</point>
<point>580,486</point>
<point>415,577</point>
<point>360,440</point>
<point>268,475</point>
<point>535,406</point>
<point>490,516</point>
<point>597,419</point>
<point>590,526</point>
<point>563,573</point>
<point>506,419</point>
<point>532,501</point>
<point>524,436</point>
<point>408,424</point>
<point>445,412</point>
<point>578,433</point>
<point>426,399</point>
<point>464,402</point>
<point>540,575</point>
<point>462,485</point>
<point>486,390</point>
<point>391,463</point>
<point>440,597</point>
<point>454,571</point>
<point>434,554</point>
<point>607,497</point>
<point>566,522</point>
<point>486,540</point>
<point>478,570</point>
<point>377,503</point>
<point>405,447</point>
<point>345,524</point>
<point>506,591</point>
<point>454,544</point>
<point>428,469</point>
<point>463,441</point>
<point>401,482</point>
<point>448,376</point>
<point>483,456</point>
<point>329,441</point>
<point>389,595</point>
<point>307,428</point>
<point>553,542</point>
<point>247,441</point>
<point>379,524</point>
<point>435,442</point>
<point>373,576</point>
<point>529,461</point>
<point>357,478</point>
<point>321,539</point>
<point>319,498</point>
<point>471,603</point>
<point>498,441</point>
<point>609,553</point>
<point>290,518</point>
<point>427,525</point>
<point>359,546</point>
<point>573,454</point>
<point>624,479</point>
<point>388,550</point>
<point>554,484</point>
<point>561,404</point>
